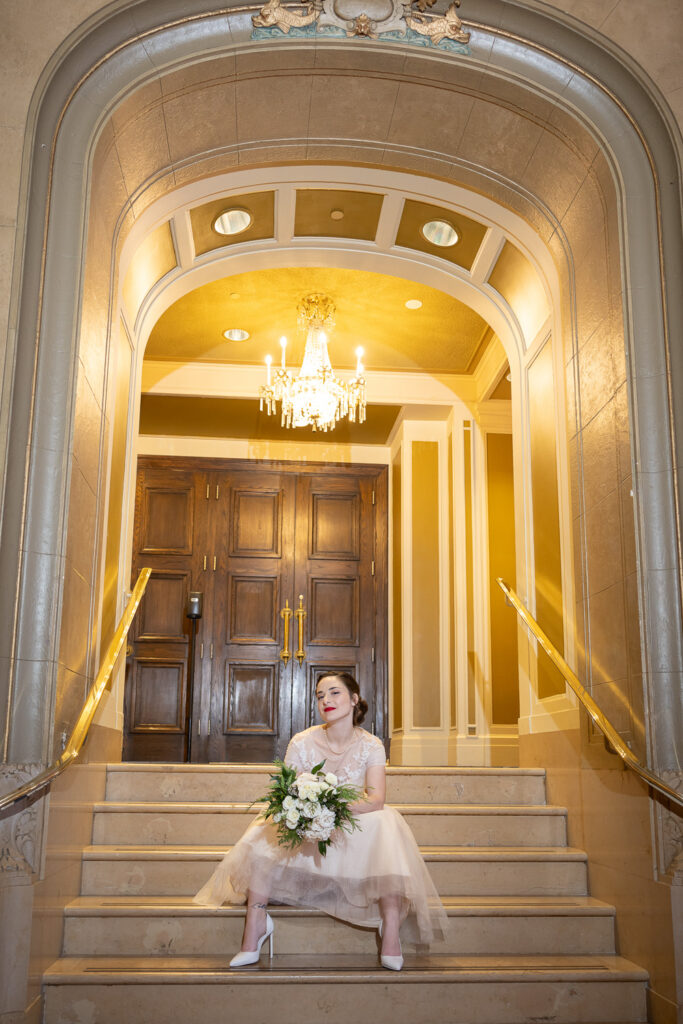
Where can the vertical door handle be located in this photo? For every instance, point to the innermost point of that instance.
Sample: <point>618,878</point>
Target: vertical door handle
<point>286,614</point>
<point>300,616</point>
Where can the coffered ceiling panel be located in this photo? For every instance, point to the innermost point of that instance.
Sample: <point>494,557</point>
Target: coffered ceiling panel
<point>261,207</point>
<point>443,335</point>
<point>416,214</point>
<point>337,213</point>
<point>185,416</point>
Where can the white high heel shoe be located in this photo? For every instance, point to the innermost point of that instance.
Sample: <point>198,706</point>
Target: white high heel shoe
<point>392,963</point>
<point>251,956</point>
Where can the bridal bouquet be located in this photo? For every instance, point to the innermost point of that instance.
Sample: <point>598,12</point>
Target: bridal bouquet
<point>309,806</point>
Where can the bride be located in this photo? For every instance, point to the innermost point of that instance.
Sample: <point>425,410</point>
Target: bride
<point>372,877</point>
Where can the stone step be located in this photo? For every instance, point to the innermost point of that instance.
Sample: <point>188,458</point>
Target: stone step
<point>456,871</point>
<point>224,823</point>
<point>310,987</point>
<point>215,783</point>
<point>146,926</point>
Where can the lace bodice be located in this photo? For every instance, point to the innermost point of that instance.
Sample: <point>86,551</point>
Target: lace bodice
<point>310,747</point>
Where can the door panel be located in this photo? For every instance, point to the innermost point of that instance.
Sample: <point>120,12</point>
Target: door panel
<point>334,611</point>
<point>167,524</point>
<point>162,611</point>
<point>253,608</point>
<point>251,698</point>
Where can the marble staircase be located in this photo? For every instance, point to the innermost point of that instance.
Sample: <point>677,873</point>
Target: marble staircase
<point>526,944</point>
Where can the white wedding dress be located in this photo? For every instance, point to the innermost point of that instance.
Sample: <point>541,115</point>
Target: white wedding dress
<point>379,859</point>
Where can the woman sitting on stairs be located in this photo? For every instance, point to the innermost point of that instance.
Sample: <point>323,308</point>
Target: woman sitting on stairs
<point>373,877</point>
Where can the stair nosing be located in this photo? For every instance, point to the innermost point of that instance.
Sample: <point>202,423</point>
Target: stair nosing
<point>240,807</point>
<point>455,906</point>
<point>121,851</point>
<point>84,970</point>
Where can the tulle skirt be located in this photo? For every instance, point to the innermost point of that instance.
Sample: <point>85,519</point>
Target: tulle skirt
<point>379,860</point>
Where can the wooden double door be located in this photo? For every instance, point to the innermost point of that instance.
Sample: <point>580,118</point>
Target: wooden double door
<point>291,565</point>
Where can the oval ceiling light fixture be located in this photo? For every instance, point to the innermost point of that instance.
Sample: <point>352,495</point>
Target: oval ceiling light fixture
<point>236,334</point>
<point>232,222</point>
<point>336,215</point>
<point>440,232</point>
<point>413,304</point>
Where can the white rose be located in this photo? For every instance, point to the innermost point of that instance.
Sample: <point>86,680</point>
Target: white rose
<point>306,777</point>
<point>309,809</point>
<point>278,817</point>
<point>331,779</point>
<point>292,819</point>
<point>288,803</point>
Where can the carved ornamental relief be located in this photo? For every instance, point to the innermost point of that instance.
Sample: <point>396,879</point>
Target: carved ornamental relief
<point>21,832</point>
<point>408,20</point>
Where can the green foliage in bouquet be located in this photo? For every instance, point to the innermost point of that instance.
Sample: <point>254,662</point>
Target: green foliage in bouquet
<point>309,807</point>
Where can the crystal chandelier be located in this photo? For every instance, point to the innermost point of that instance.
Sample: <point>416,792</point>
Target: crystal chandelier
<point>316,397</point>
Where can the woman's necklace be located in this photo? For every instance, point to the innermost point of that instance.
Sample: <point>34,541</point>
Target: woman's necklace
<point>331,748</point>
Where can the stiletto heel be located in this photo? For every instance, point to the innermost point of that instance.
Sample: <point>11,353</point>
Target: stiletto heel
<point>251,956</point>
<point>392,963</point>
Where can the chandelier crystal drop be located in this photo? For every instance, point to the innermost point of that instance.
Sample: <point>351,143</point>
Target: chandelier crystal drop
<point>316,397</point>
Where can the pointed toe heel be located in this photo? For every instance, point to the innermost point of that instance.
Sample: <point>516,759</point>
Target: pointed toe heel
<point>392,963</point>
<point>251,956</point>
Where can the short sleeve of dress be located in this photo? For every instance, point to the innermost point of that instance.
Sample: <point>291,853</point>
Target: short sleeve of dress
<point>376,752</point>
<point>293,755</point>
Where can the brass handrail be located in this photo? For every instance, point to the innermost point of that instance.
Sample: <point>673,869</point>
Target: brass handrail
<point>80,730</point>
<point>604,725</point>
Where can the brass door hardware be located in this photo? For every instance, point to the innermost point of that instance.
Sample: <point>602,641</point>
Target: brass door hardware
<point>300,616</point>
<point>286,614</point>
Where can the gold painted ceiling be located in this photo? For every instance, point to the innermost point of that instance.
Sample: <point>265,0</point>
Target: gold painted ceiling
<point>443,336</point>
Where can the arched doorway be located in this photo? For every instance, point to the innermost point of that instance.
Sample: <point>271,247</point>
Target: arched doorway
<point>627,190</point>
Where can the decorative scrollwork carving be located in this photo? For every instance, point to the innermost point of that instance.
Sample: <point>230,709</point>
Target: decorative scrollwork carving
<point>437,29</point>
<point>275,15</point>
<point>672,829</point>
<point>20,833</point>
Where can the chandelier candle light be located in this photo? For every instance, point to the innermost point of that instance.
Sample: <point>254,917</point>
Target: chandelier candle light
<point>316,397</point>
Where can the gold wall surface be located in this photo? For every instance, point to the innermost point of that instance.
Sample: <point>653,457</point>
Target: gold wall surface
<point>501,537</point>
<point>116,486</point>
<point>153,258</point>
<point>396,594</point>
<point>453,677</point>
<point>517,281</point>
<point>425,588</point>
<point>546,516</point>
<point>469,575</point>
<point>201,416</point>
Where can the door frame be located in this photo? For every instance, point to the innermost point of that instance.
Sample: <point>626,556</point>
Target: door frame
<point>208,464</point>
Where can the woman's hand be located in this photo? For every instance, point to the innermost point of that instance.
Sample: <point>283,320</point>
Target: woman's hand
<point>375,789</point>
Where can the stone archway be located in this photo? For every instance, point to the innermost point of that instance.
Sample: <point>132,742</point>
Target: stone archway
<point>570,83</point>
<point>48,411</point>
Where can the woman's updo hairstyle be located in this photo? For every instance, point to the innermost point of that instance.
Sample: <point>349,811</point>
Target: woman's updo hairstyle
<point>360,709</point>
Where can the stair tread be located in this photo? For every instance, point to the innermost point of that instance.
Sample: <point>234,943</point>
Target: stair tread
<point>84,906</point>
<point>236,807</point>
<point>310,967</point>
<point>118,851</point>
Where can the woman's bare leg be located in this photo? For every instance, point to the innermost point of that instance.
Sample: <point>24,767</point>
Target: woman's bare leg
<point>391,921</point>
<point>255,921</point>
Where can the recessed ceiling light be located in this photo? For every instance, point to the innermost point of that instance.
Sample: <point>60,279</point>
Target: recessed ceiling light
<point>231,222</point>
<point>413,304</point>
<point>440,232</point>
<point>235,334</point>
<point>337,215</point>
<point>234,295</point>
